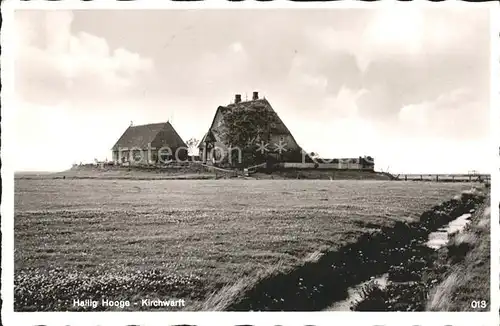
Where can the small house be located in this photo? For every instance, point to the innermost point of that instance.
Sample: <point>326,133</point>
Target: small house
<point>149,144</point>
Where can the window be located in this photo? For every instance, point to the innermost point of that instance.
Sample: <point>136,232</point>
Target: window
<point>165,157</point>
<point>137,155</point>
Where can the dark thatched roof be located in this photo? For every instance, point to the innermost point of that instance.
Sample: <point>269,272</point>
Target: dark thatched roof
<point>243,107</point>
<point>259,104</point>
<point>156,134</point>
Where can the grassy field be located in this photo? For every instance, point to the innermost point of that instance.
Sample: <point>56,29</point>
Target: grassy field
<point>186,239</point>
<point>117,174</point>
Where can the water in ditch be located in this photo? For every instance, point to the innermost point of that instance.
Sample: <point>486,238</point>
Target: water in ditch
<point>354,293</point>
<point>436,240</point>
<point>440,238</point>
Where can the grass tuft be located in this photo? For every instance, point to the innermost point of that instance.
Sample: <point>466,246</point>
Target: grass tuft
<point>220,300</point>
<point>440,298</point>
<point>372,298</point>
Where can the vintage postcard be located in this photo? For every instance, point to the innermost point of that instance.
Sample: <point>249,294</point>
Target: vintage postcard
<point>178,162</point>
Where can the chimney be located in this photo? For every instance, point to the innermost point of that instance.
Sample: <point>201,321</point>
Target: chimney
<point>237,98</point>
<point>255,96</point>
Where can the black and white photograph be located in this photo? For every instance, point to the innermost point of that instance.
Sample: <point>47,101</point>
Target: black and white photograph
<point>333,160</point>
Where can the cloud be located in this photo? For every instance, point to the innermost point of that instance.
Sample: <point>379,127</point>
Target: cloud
<point>55,64</point>
<point>346,82</point>
<point>52,137</point>
<point>451,115</point>
<point>404,32</point>
<point>392,31</point>
<point>236,47</point>
<point>405,56</point>
<point>344,104</point>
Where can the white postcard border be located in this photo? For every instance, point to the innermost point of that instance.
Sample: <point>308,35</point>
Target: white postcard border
<point>228,318</point>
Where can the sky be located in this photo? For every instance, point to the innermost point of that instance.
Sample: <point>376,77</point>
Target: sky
<point>407,86</point>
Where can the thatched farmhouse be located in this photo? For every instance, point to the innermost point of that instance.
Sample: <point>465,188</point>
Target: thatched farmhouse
<point>243,134</point>
<point>248,132</point>
<point>149,144</point>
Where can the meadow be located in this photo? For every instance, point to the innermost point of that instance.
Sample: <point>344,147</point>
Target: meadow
<point>135,239</point>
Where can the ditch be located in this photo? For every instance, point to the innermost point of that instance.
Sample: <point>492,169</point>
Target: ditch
<point>398,254</point>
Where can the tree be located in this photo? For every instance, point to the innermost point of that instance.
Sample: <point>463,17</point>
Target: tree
<point>247,128</point>
<point>192,144</point>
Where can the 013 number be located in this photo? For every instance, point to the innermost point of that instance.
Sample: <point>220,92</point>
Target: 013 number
<point>478,304</point>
